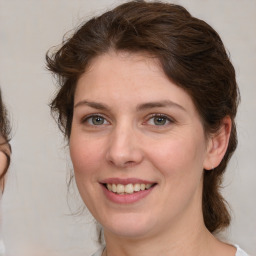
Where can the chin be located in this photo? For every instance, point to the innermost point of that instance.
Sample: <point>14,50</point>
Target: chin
<point>128,226</point>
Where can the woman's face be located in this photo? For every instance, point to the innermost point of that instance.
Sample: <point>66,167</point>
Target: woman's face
<point>137,133</point>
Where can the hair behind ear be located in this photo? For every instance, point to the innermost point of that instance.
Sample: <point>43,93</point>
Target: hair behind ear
<point>215,208</point>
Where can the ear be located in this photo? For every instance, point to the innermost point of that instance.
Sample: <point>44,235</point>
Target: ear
<point>217,145</point>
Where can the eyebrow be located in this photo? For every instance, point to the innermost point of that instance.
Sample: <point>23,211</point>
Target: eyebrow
<point>140,107</point>
<point>159,104</point>
<point>92,104</point>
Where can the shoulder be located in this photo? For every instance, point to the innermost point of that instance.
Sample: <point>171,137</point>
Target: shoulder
<point>240,252</point>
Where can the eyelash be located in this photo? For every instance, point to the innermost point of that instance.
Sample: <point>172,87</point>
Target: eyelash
<point>151,116</point>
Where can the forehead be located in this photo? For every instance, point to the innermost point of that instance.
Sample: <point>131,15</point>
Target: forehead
<point>117,64</point>
<point>128,77</point>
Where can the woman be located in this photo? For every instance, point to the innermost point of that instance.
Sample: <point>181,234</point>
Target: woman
<point>5,151</point>
<point>147,100</point>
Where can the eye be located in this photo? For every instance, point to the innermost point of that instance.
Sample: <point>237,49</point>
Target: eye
<point>159,120</point>
<point>96,120</point>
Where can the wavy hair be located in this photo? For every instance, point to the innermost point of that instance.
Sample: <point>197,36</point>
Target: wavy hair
<point>191,54</point>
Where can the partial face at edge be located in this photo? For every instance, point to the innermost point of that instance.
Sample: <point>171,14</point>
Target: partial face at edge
<point>131,124</point>
<point>3,165</point>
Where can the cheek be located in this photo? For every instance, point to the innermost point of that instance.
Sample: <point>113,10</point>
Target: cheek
<point>86,155</point>
<point>180,163</point>
<point>176,158</point>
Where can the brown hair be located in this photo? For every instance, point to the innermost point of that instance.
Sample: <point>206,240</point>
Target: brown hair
<point>4,135</point>
<point>191,54</point>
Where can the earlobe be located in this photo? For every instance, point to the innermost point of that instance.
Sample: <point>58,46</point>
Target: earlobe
<point>218,144</point>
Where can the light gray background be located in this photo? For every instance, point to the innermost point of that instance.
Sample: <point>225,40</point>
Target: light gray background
<point>36,218</point>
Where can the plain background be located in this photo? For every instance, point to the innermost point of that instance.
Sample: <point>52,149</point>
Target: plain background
<point>37,219</point>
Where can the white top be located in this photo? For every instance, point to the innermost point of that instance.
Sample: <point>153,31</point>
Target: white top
<point>239,252</point>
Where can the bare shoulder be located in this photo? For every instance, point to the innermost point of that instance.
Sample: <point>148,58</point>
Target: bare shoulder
<point>231,250</point>
<point>221,248</point>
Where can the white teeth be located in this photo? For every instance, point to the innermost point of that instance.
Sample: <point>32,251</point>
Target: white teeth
<point>142,186</point>
<point>136,187</point>
<point>109,186</point>
<point>120,188</point>
<point>128,189</point>
<point>114,189</point>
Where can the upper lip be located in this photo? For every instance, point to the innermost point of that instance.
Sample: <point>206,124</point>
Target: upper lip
<point>125,181</point>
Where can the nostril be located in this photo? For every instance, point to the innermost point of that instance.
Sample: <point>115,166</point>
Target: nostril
<point>129,164</point>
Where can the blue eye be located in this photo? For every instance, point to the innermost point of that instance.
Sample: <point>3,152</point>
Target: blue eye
<point>96,120</point>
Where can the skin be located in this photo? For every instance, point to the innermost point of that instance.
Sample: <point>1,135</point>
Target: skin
<point>3,163</point>
<point>3,160</point>
<point>123,89</point>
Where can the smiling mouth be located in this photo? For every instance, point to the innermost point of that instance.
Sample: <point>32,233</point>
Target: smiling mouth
<point>128,189</point>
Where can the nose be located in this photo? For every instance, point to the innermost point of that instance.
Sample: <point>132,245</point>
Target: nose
<point>124,149</point>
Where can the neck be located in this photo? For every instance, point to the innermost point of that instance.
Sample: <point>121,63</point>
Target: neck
<point>190,241</point>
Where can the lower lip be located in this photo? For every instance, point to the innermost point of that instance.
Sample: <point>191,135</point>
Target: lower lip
<point>126,198</point>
